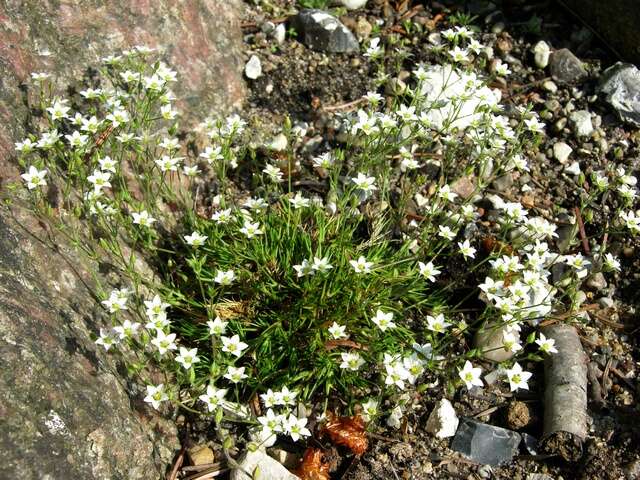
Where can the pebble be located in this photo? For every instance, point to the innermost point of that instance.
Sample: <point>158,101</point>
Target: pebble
<point>288,459</point>
<point>280,33</point>
<point>573,169</point>
<point>566,67</point>
<point>582,125</point>
<point>621,86</point>
<point>353,4</point>
<point>323,32</point>
<point>201,455</point>
<point>503,182</point>
<point>260,465</point>
<point>561,152</point>
<point>606,302</point>
<point>486,444</point>
<point>596,281</point>
<point>253,68</point>
<point>443,421</point>
<point>541,53</point>
<point>550,86</point>
<point>560,124</point>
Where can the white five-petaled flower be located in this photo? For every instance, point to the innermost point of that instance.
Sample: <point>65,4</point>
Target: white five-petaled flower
<point>337,331</point>
<point>196,239</point>
<point>164,342</point>
<point>273,172</point>
<point>156,395</point>
<point>351,361</point>
<point>438,323</point>
<point>383,320</point>
<point>58,110</point>
<point>34,178</point>
<point>105,339</point>
<point>299,201</point>
<point>517,377</point>
<point>118,117</point>
<point>143,218</point>
<point>546,345</point>
<point>361,265</point>
<point>107,164</point>
<point>99,180</point>
<point>269,399</point>
<point>295,427</point>
<point>510,342</point>
<point>470,375</point>
<point>168,164</point>
<point>233,345</point>
<point>224,277</point>
<point>214,397</point>
<point>221,216</point>
<point>321,265</point>
<point>365,183</point>
<point>235,374</point>
<point>128,329</point>
<point>187,357</point>
<point>251,229</point>
<point>446,232</point>
<point>466,249</point>
<point>428,271</point>
<point>304,269</point>
<point>369,409</point>
<point>217,326</point>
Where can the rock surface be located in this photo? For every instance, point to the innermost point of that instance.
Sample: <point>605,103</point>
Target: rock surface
<point>320,31</point>
<point>443,421</point>
<point>566,67</point>
<point>484,443</point>
<point>201,39</point>
<point>621,86</point>
<point>490,341</point>
<point>260,465</point>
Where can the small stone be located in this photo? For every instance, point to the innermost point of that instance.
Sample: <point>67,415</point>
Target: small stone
<point>566,67</point>
<point>489,339</point>
<point>518,415</point>
<point>621,86</point>
<point>596,281</point>
<point>486,444</point>
<point>443,421</point>
<point>550,86</point>
<point>260,465</point>
<point>503,182</point>
<point>288,459</point>
<point>280,33</point>
<point>582,125</point>
<point>253,68</point>
<point>363,28</point>
<point>561,152</point>
<point>541,53</point>
<point>539,476</point>
<point>606,302</point>
<point>353,4</point>
<point>560,124</point>
<point>201,455</point>
<point>573,169</point>
<point>485,471</point>
<point>464,187</point>
<point>323,32</point>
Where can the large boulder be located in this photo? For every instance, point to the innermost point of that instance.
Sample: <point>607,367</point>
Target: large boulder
<point>68,409</point>
<point>201,39</point>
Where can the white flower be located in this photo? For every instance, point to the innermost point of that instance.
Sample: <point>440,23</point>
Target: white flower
<point>534,125</point>
<point>374,50</point>
<point>212,154</point>
<point>164,342</point>
<point>40,76</point>
<point>156,395</point>
<point>579,263</point>
<point>153,83</point>
<point>155,307</point>
<point>286,396</point>
<point>128,329</point>
<point>321,265</point>
<point>130,77</point>
<point>48,139</point>
<point>459,55</point>
<point>118,117</point>
<point>361,265</point>
<point>170,144</point>
<point>470,375</point>
<point>295,427</point>
<point>221,216</point>
<point>631,220</point>
<point>273,172</point>
<point>157,322</point>
<point>58,110</point>
<point>26,146</point>
<point>251,229</point>
<point>271,421</point>
<point>446,233</point>
<point>546,345</point>
<point>383,320</point>
<point>510,342</point>
<point>466,249</point>
<point>107,164</point>
<point>76,139</point>
<point>235,374</point>
<point>428,271</point>
<point>414,366</point>
<point>90,125</point>
<point>502,69</point>
<point>351,361</point>
<point>91,93</point>
<point>233,345</point>
<point>337,331</point>
<point>34,178</point>
<point>196,239</point>
<point>270,398</point>
<point>168,164</point>
<point>143,218</point>
<point>438,323</point>
<point>304,269</point>
<point>369,409</point>
<point>105,339</point>
<point>299,201</point>
<point>224,277</point>
<point>187,357</point>
<point>191,170</point>
<point>214,397</point>
<point>446,194</point>
<point>167,112</point>
<point>517,377</point>
<point>611,262</point>
<point>115,302</point>
<point>394,420</point>
<point>323,161</point>
<point>396,373</point>
<point>364,183</point>
<point>217,326</point>
<point>99,180</point>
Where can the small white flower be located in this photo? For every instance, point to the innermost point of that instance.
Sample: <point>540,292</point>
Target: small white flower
<point>235,374</point>
<point>214,397</point>
<point>269,399</point>
<point>251,229</point>
<point>611,262</point>
<point>142,218</point>
<point>447,194</point>
<point>217,326</point>
<point>459,55</point>
<point>446,232</point>
<point>222,216</point>
<point>534,125</point>
<point>273,172</point>
<point>156,395</point>
<point>466,249</point>
<point>224,277</point>
<point>164,342</point>
<point>196,239</point>
<point>76,139</point>
<point>128,329</point>
<point>187,357</point>
<point>428,271</point>
<point>295,427</point>
<point>323,161</point>
<point>34,178</point>
<point>369,410</point>
<point>337,331</point>
<point>233,345</point>
<point>26,146</point>
<point>510,342</point>
<point>168,164</point>
<point>303,269</point>
<point>99,180</point>
<point>470,375</point>
<point>546,345</point>
<point>351,361</point>
<point>502,69</point>
<point>365,183</point>
<point>118,117</point>
<point>107,164</point>
<point>517,377</point>
<point>105,339</point>
<point>361,265</point>
<point>438,323</point>
<point>286,396</point>
<point>167,112</point>
<point>321,265</point>
<point>58,110</point>
<point>299,201</point>
<point>383,320</point>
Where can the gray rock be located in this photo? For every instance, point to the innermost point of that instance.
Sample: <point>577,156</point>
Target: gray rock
<point>581,121</point>
<point>541,53</point>
<point>484,443</point>
<point>443,421</point>
<point>561,152</point>
<point>253,68</point>
<point>566,67</point>
<point>323,32</point>
<point>503,182</point>
<point>539,476</point>
<point>573,169</point>
<point>530,443</point>
<point>489,340</point>
<point>596,281</point>
<point>606,302</point>
<point>258,464</point>
<point>621,86</point>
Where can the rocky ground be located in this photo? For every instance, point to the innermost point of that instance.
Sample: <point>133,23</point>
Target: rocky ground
<point>584,133</point>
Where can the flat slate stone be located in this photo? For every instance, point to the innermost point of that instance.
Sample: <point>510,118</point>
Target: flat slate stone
<point>486,444</point>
